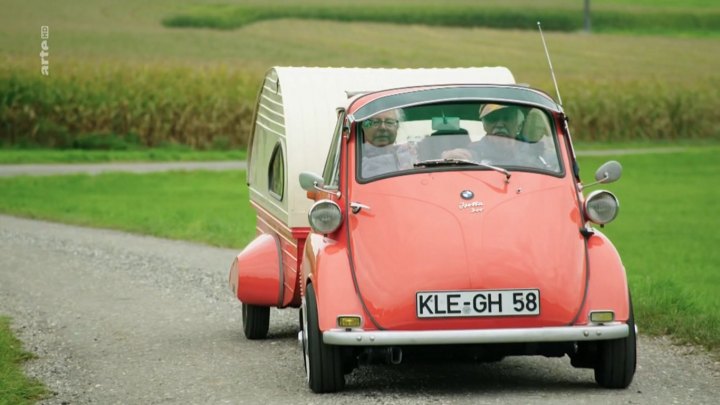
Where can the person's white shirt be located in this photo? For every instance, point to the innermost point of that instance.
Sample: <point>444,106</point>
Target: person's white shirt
<point>378,160</point>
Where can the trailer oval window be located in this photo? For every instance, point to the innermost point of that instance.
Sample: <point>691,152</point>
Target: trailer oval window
<point>276,173</point>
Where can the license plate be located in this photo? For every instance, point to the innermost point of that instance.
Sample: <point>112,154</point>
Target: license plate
<point>458,304</point>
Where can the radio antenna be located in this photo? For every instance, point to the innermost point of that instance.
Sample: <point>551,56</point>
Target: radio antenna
<point>552,71</point>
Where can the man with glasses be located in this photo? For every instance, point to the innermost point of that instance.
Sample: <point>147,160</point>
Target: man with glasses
<point>380,155</point>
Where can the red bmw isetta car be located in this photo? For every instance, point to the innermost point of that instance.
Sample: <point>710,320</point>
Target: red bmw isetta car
<point>446,213</point>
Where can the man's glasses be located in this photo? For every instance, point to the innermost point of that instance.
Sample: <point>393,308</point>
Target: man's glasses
<point>375,123</point>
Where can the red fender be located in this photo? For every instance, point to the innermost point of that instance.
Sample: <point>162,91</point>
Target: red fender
<point>608,288</point>
<point>333,284</point>
<point>256,275</point>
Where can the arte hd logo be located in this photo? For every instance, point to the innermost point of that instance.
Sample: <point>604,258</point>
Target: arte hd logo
<point>44,50</point>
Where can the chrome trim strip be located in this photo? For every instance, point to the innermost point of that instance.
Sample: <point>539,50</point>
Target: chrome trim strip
<point>357,337</point>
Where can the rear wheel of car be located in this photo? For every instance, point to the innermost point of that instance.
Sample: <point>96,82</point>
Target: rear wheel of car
<point>617,359</point>
<point>323,363</point>
<point>256,321</point>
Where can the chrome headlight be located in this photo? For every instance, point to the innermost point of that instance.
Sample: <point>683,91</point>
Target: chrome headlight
<point>325,217</point>
<point>601,207</point>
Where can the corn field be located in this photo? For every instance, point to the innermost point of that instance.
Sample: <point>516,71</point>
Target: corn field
<point>114,108</point>
<point>211,108</point>
<point>643,111</point>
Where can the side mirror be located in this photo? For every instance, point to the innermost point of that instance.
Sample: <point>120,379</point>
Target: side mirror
<point>310,181</point>
<point>609,172</point>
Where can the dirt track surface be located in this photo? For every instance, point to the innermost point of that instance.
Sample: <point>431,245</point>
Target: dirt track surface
<point>133,167</point>
<point>120,318</point>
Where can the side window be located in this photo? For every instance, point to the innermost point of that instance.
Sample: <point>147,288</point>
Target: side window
<point>276,173</point>
<point>331,173</point>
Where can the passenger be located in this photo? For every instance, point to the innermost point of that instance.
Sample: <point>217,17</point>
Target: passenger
<point>502,125</point>
<point>380,154</point>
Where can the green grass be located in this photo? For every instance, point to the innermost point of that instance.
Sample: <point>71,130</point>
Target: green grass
<point>19,156</point>
<point>558,16</point>
<point>645,144</point>
<point>666,230</point>
<point>201,206</point>
<point>15,388</point>
<point>666,233</point>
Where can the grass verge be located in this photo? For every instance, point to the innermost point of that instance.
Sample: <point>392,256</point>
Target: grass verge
<point>665,232</point>
<point>15,387</point>
<point>201,206</point>
<point>666,236</point>
<point>19,156</point>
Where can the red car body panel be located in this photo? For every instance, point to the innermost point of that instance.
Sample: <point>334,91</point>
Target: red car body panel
<point>326,266</point>
<point>437,244</point>
<point>608,288</point>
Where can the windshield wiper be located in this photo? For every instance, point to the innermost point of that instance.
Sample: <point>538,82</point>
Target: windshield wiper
<point>456,162</point>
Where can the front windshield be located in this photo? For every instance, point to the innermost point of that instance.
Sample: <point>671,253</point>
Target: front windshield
<point>452,135</point>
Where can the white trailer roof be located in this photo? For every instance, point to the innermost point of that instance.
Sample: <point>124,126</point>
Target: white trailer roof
<point>310,98</point>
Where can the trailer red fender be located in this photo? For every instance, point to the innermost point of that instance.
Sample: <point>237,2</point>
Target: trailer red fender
<point>256,276</point>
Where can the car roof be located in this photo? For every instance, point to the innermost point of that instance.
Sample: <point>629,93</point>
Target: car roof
<point>370,104</point>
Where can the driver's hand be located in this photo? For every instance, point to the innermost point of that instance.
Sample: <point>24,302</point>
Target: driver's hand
<point>457,154</point>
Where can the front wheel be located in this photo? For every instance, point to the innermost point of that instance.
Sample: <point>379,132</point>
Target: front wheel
<point>323,363</point>
<point>256,321</point>
<point>617,359</point>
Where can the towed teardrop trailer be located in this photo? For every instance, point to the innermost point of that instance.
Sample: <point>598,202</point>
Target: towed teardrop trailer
<point>478,240</point>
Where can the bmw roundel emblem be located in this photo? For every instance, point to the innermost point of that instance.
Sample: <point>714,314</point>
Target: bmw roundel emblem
<point>467,194</point>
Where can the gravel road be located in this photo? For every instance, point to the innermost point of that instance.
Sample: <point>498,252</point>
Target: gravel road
<point>120,318</point>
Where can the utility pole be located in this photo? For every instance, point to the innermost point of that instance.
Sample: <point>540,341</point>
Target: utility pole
<point>587,16</point>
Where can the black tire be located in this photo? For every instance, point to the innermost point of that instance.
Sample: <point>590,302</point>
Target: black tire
<point>256,321</point>
<point>323,363</point>
<point>617,359</point>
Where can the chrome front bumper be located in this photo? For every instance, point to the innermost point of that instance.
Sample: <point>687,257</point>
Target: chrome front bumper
<point>358,337</point>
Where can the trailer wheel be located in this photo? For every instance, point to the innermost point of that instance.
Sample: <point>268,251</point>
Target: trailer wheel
<point>323,363</point>
<point>256,321</point>
<point>617,359</point>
